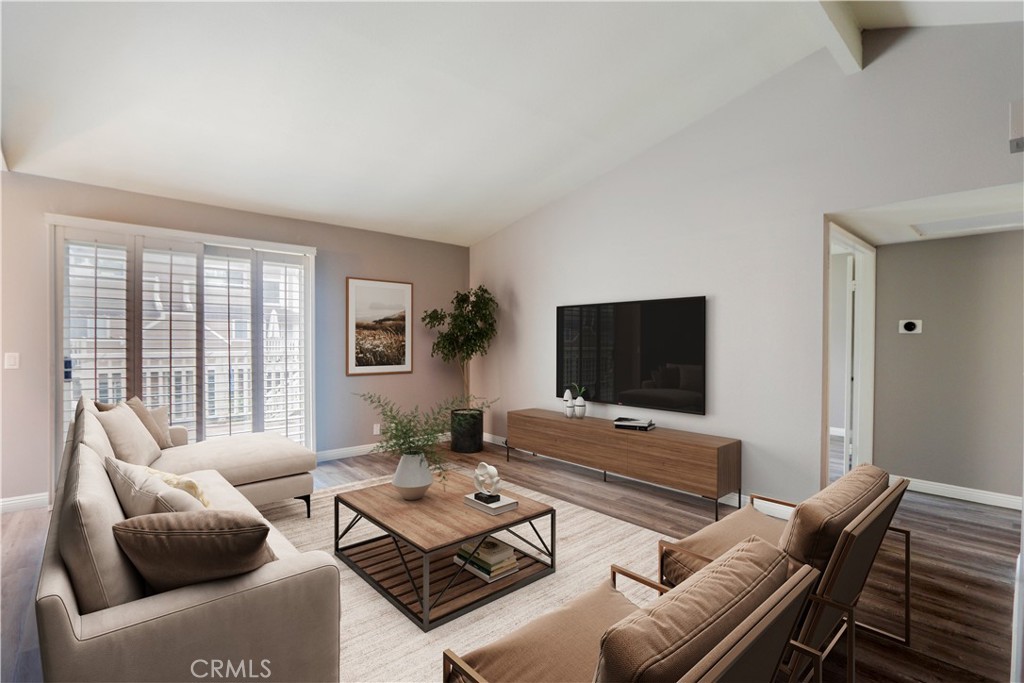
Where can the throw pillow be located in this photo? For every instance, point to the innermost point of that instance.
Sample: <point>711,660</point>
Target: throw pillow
<point>161,433</point>
<point>90,431</point>
<point>664,640</point>
<point>130,439</point>
<point>814,527</point>
<point>162,418</point>
<point>101,574</point>
<point>178,481</point>
<point>142,493</point>
<point>171,550</point>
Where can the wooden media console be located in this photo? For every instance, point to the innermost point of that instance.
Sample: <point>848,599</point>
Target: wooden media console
<point>708,466</point>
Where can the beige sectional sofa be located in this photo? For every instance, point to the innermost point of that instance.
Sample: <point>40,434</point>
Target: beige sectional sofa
<point>99,619</point>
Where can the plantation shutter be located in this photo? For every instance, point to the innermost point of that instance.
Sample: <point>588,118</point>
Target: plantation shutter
<point>227,340</point>
<point>222,335</point>
<point>169,312</point>
<point>284,345</point>
<point>94,321</point>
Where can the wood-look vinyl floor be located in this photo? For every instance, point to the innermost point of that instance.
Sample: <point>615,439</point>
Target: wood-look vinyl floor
<point>962,569</point>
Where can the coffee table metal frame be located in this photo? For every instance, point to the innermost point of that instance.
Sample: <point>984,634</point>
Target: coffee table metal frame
<point>545,555</point>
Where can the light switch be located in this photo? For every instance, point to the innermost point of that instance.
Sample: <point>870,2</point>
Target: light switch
<point>12,360</point>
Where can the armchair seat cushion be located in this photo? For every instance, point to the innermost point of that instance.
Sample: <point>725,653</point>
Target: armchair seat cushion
<point>561,646</point>
<point>715,539</point>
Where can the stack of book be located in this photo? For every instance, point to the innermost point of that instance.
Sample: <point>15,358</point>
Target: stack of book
<point>492,560</point>
<point>503,504</point>
<point>634,424</point>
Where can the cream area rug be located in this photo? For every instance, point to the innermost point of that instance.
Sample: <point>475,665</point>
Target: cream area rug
<point>379,643</point>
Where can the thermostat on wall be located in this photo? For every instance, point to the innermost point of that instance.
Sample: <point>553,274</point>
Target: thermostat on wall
<point>910,327</point>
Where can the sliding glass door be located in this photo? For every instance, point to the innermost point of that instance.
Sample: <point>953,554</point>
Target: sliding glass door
<point>217,333</point>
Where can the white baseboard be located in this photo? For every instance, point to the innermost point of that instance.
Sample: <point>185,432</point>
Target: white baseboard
<point>352,451</point>
<point>32,501</point>
<point>347,452</point>
<point>837,431</point>
<point>494,438</point>
<point>1002,500</point>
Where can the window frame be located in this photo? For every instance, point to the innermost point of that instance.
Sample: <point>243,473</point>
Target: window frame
<point>64,228</point>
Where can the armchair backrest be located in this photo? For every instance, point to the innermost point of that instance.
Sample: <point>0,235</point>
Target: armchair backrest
<point>753,651</point>
<point>847,572</point>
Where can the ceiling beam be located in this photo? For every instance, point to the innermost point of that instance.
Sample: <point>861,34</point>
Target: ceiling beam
<point>840,32</point>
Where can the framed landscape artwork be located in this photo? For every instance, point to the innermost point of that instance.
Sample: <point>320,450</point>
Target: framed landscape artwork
<point>378,339</point>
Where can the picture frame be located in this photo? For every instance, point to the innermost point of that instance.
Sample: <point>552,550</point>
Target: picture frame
<point>378,316</point>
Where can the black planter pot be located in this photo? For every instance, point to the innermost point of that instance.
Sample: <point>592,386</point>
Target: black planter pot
<point>467,430</point>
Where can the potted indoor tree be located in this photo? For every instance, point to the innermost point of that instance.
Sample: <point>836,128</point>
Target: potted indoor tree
<point>465,332</point>
<point>412,436</point>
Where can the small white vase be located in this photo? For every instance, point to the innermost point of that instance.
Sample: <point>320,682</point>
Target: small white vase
<point>580,407</point>
<point>412,476</point>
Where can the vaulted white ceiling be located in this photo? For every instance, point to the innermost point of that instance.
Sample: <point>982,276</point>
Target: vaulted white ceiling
<point>445,121</point>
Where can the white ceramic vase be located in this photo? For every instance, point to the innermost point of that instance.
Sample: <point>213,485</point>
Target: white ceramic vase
<point>570,409</point>
<point>412,476</point>
<point>580,407</point>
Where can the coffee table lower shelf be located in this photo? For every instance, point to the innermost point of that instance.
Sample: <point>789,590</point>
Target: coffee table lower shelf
<point>377,562</point>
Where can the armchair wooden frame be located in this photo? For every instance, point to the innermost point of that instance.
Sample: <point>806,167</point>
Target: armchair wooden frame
<point>848,622</point>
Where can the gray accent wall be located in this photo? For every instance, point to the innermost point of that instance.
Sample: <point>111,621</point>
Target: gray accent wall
<point>342,420</point>
<point>949,401</point>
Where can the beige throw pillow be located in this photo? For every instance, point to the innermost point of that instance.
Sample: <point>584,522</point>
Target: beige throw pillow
<point>161,433</point>
<point>142,493</point>
<point>89,430</point>
<point>130,439</point>
<point>183,548</point>
<point>162,418</point>
<point>100,573</point>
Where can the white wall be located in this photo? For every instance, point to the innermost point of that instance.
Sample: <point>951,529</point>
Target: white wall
<point>732,208</point>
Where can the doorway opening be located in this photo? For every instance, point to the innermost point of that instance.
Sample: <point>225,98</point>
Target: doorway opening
<point>850,353</point>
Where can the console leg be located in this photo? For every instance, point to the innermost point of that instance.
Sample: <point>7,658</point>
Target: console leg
<point>307,499</point>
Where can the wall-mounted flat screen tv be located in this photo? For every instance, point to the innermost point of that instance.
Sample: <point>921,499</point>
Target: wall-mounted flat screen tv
<point>648,354</point>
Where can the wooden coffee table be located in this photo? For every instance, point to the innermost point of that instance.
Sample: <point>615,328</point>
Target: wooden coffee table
<point>411,563</point>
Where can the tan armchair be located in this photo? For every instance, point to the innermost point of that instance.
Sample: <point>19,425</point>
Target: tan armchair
<point>839,531</point>
<point>731,621</point>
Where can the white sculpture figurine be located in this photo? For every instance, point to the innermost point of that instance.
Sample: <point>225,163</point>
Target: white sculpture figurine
<point>487,480</point>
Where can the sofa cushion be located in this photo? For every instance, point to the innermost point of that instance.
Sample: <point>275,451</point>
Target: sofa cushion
<point>814,527</point>
<point>715,539</point>
<point>142,493</point>
<point>224,496</point>
<point>101,574</point>
<point>241,458</point>
<point>561,645</point>
<point>89,431</point>
<point>177,549</point>
<point>130,439</point>
<point>663,641</point>
<point>158,428</point>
